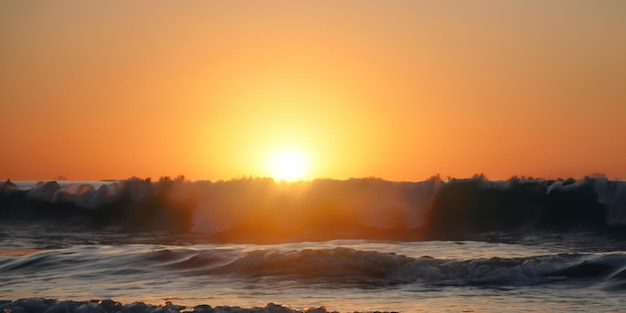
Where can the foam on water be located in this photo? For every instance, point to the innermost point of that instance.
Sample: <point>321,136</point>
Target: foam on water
<point>39,305</point>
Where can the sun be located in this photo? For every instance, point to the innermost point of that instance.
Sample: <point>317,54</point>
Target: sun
<point>288,164</point>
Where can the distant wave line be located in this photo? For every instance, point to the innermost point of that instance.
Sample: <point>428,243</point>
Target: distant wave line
<point>323,209</point>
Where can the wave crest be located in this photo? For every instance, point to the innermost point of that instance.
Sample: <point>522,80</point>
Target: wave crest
<point>261,209</point>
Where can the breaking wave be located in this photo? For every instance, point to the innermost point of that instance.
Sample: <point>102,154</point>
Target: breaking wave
<point>337,267</point>
<point>260,209</point>
<point>39,305</point>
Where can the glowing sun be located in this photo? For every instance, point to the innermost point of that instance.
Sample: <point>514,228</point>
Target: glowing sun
<point>288,165</point>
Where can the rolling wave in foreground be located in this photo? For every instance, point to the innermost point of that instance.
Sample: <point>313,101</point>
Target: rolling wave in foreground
<point>365,245</point>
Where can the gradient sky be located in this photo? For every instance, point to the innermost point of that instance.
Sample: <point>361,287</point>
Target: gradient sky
<point>400,90</point>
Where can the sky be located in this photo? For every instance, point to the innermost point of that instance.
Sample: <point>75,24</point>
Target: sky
<point>401,90</point>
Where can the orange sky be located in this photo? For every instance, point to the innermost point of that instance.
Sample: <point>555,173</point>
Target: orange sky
<point>399,90</point>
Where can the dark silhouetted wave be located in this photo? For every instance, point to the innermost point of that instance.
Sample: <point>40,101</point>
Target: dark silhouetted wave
<point>260,209</point>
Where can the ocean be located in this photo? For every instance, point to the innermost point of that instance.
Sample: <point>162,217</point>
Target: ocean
<point>357,245</point>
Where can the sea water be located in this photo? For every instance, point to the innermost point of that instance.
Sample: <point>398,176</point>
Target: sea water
<point>342,275</point>
<point>63,266</point>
